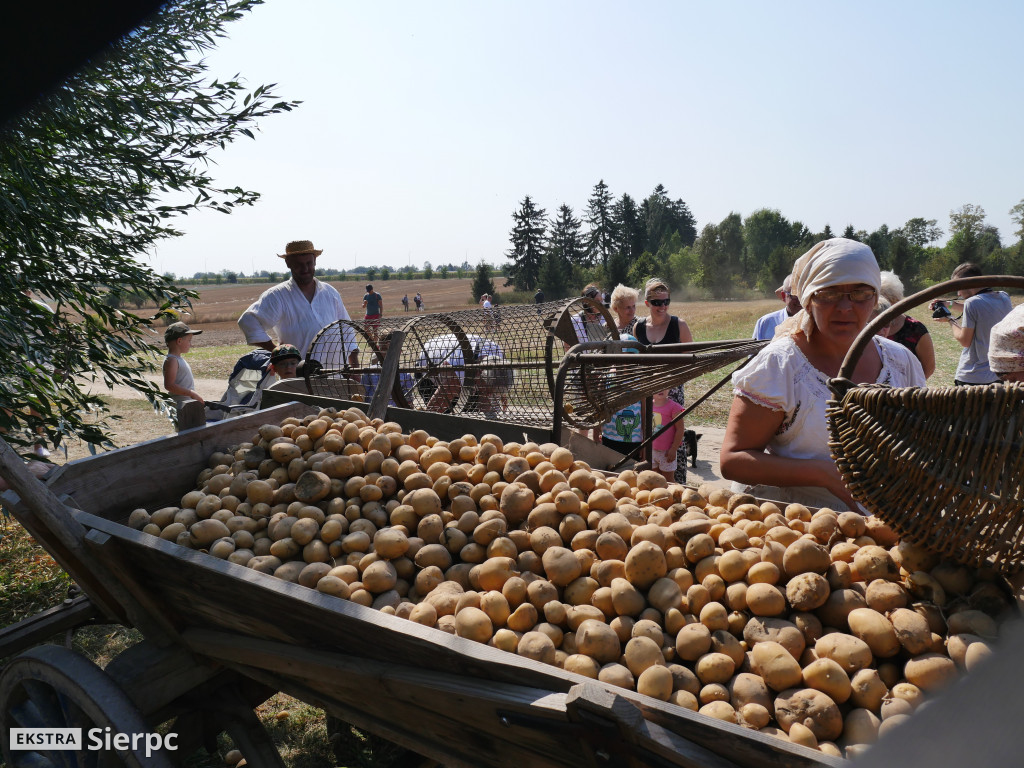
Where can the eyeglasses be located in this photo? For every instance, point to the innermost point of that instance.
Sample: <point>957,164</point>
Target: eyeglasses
<point>857,296</point>
<point>659,302</point>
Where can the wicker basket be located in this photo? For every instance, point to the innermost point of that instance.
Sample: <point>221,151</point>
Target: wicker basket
<point>942,465</point>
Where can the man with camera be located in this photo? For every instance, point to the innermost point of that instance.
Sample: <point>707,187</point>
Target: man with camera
<point>982,308</point>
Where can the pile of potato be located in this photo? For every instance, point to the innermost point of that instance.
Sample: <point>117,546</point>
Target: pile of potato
<point>822,629</point>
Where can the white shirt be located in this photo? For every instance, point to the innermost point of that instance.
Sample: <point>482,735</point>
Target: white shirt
<point>781,378</point>
<point>285,313</point>
<point>764,330</point>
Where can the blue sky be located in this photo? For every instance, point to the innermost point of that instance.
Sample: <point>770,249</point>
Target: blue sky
<point>424,124</point>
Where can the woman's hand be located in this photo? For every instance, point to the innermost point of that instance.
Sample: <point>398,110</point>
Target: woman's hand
<point>832,481</point>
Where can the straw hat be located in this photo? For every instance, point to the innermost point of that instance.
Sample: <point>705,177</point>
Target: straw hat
<point>298,248</point>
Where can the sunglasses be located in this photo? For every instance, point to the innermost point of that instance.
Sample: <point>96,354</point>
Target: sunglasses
<point>659,302</point>
<point>857,296</point>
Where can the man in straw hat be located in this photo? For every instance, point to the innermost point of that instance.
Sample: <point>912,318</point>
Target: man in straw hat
<point>293,312</point>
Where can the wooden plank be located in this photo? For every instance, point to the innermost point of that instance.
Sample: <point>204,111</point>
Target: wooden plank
<point>153,677</point>
<point>388,375</point>
<point>51,523</point>
<point>133,598</point>
<point>30,631</point>
<point>191,415</point>
<point>158,472</point>
<point>449,717</point>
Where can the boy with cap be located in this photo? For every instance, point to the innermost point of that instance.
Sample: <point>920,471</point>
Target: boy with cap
<point>284,361</point>
<point>178,378</point>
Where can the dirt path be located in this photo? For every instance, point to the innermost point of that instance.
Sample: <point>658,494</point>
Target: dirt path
<point>708,450</point>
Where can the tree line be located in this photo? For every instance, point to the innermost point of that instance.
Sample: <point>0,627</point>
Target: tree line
<point>617,240</point>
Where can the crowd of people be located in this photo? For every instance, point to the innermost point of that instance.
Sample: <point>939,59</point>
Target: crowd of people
<point>776,440</point>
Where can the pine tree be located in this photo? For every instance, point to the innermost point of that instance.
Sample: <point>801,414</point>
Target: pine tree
<point>600,218</point>
<point>482,282</point>
<point>565,238</point>
<point>630,230</point>
<point>527,238</point>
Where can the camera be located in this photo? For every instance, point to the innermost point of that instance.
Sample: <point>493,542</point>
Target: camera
<point>941,311</point>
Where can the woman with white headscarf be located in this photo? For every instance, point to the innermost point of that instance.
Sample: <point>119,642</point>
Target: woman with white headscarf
<point>776,442</point>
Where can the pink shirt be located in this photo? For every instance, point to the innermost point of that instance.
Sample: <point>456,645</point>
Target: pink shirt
<point>663,415</point>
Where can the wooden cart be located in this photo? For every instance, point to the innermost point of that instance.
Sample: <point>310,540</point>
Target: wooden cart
<point>220,638</point>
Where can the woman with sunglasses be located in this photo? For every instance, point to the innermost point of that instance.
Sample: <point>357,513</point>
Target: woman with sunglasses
<point>664,328</point>
<point>776,441</point>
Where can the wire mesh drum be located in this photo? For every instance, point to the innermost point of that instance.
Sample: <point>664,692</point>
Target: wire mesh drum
<point>596,379</point>
<point>488,364</point>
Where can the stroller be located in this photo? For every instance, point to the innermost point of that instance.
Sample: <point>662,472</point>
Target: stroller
<point>245,387</point>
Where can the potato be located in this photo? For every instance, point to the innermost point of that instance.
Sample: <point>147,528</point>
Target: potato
<point>875,562</point>
<point>746,688</point>
<point>536,646</point>
<point>972,622</point>
<point>714,668</point>
<point>598,641</point>
<point>786,633</point>
<point>912,630</point>
<point>655,681</point>
<point>645,564</point>
<point>851,653</point>
<point>474,624</point>
<point>693,641</point>
<point>838,606</point>
<point>807,591</point>
<point>867,689</point>
<point>720,710</point>
<point>776,666</point>
<point>810,708</point>
<point>829,677</point>
<point>930,671</point>
<point>861,727</point>
<point>884,596</point>
<point>765,600</point>
<point>560,565</point>
<point>805,556</point>
<point>875,630</point>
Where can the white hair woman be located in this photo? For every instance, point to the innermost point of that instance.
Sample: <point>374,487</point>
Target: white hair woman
<point>905,330</point>
<point>623,306</point>
<point>776,441</point>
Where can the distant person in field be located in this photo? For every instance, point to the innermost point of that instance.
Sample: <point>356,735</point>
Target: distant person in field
<point>373,306</point>
<point>178,379</point>
<point>982,308</point>
<point>293,312</point>
<point>419,302</point>
<point>538,297</point>
<point>764,329</point>
<point>405,302</point>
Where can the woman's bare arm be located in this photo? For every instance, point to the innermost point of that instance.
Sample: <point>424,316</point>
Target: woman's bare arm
<point>745,460</point>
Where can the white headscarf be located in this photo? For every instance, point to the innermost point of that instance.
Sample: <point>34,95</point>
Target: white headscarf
<point>1006,343</point>
<point>831,262</point>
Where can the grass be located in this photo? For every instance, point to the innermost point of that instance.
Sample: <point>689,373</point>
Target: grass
<point>216,362</point>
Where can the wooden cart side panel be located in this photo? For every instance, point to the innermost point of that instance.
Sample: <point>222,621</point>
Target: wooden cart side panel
<point>157,472</point>
<point>198,591</point>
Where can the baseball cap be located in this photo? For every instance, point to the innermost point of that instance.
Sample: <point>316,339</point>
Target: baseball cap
<point>178,330</point>
<point>285,351</point>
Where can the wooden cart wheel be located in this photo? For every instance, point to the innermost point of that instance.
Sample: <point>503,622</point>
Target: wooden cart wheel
<point>53,687</point>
